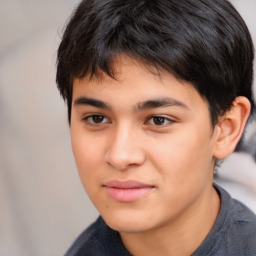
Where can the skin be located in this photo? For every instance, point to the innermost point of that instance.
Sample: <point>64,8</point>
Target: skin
<point>170,147</point>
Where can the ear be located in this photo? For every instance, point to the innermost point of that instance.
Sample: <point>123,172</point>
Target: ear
<point>230,127</point>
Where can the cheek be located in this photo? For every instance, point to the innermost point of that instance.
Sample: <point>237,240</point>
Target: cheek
<point>184,164</point>
<point>184,155</point>
<point>87,162</point>
<point>87,154</point>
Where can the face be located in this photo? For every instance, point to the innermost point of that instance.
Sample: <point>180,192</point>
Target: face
<point>143,146</point>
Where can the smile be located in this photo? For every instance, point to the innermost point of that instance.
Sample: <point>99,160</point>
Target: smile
<point>127,191</point>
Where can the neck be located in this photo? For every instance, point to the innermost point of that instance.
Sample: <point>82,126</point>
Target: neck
<point>181,236</point>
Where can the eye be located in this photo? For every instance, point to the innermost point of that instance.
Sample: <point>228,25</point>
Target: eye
<point>96,119</point>
<point>159,121</point>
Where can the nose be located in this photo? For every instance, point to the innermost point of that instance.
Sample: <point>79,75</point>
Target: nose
<point>125,149</point>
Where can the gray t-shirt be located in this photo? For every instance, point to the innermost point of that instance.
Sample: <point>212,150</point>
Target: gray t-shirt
<point>233,234</point>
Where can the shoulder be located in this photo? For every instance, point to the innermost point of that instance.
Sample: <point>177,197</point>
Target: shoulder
<point>97,240</point>
<point>241,226</point>
<point>234,232</point>
<point>237,233</point>
<point>238,214</point>
<point>86,241</point>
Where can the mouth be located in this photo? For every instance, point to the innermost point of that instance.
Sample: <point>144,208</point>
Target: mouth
<point>127,191</point>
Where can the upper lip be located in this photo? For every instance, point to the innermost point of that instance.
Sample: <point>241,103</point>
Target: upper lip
<point>128,184</point>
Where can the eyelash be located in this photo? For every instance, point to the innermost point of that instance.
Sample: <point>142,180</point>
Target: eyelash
<point>164,121</point>
<point>93,123</point>
<point>160,118</point>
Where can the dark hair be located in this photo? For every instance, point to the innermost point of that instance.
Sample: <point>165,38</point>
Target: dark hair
<point>203,42</point>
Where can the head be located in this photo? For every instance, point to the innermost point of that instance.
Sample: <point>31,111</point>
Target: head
<point>205,43</point>
<point>156,90</point>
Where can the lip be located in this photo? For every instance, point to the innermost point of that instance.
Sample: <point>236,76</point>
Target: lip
<point>127,191</point>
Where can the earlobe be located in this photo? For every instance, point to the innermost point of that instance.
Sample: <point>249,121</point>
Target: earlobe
<point>230,127</point>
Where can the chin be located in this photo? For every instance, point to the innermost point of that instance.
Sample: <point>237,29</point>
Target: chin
<point>128,222</point>
<point>127,227</point>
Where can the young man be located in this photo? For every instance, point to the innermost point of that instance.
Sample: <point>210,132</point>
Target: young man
<point>157,92</point>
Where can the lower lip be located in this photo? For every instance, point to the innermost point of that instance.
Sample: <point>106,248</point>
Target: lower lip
<point>128,194</point>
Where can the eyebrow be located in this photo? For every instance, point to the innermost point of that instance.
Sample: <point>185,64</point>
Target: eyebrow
<point>144,105</point>
<point>160,102</point>
<point>91,102</point>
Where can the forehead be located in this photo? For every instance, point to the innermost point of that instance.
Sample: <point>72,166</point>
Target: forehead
<point>134,82</point>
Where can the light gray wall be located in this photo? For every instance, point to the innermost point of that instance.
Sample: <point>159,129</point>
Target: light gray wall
<point>43,205</point>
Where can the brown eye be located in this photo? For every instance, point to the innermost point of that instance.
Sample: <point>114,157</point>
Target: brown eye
<point>159,121</point>
<point>96,119</point>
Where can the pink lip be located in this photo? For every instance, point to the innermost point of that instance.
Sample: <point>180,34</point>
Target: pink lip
<point>127,191</point>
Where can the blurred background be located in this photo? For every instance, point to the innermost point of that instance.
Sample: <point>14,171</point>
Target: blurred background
<point>43,206</point>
